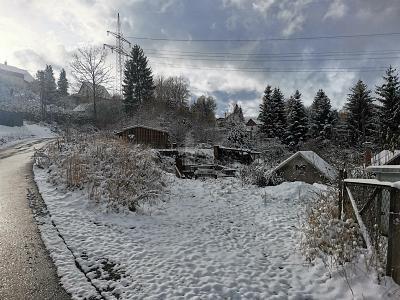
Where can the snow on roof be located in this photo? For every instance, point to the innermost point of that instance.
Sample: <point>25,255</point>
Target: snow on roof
<point>141,126</point>
<point>314,159</point>
<point>384,157</point>
<point>27,77</point>
<point>83,107</point>
<point>255,120</point>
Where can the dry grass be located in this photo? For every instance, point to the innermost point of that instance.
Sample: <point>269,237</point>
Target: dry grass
<point>325,236</point>
<point>112,171</point>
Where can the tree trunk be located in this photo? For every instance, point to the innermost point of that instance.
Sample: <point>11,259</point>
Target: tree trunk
<point>94,103</point>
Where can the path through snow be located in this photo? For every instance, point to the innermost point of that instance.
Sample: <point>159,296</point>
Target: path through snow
<point>211,239</point>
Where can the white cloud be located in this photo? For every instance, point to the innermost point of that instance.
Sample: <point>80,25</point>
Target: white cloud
<point>293,16</point>
<point>336,10</point>
<point>263,6</point>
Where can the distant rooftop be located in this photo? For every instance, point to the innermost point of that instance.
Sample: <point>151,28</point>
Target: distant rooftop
<point>27,77</point>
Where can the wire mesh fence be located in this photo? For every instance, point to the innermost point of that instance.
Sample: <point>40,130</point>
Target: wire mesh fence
<point>372,205</point>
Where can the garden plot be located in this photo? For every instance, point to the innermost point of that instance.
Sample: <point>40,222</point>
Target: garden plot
<point>213,239</point>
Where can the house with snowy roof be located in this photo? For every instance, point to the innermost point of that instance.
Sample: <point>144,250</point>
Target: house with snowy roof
<point>85,93</point>
<point>306,166</point>
<point>386,157</point>
<point>14,77</point>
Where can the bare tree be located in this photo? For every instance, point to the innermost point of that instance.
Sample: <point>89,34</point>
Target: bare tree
<point>89,66</point>
<point>172,91</point>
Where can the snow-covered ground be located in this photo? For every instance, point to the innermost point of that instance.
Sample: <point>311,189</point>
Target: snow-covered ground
<point>13,135</point>
<point>211,239</point>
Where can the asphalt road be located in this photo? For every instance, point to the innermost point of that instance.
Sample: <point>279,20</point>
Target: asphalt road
<point>26,270</point>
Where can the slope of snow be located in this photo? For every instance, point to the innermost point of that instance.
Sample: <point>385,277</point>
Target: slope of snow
<point>212,239</point>
<point>12,135</point>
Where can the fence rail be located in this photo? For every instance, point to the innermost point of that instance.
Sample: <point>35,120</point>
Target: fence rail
<point>376,207</point>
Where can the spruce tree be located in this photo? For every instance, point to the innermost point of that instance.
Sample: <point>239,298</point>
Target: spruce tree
<point>321,117</point>
<point>264,116</point>
<point>138,85</point>
<point>389,97</point>
<point>297,122</point>
<point>50,87</point>
<point>360,110</point>
<point>62,84</point>
<point>273,115</point>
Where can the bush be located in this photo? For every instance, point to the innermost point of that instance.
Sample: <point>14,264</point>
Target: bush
<point>118,174</point>
<point>260,175</point>
<point>327,237</point>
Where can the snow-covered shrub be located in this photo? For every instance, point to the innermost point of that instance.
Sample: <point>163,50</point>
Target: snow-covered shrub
<point>113,172</point>
<point>238,137</point>
<point>325,236</point>
<point>253,174</point>
<point>259,174</point>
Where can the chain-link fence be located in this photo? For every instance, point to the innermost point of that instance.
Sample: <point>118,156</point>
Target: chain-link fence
<point>376,207</point>
<point>370,204</point>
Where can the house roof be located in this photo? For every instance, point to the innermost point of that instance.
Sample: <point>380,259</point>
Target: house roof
<point>141,126</point>
<point>252,121</point>
<point>314,159</point>
<point>101,90</point>
<point>27,77</point>
<point>384,157</point>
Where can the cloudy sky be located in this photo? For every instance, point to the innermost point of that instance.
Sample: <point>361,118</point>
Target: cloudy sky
<point>229,49</point>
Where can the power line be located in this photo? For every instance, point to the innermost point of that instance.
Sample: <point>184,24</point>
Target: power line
<point>267,70</point>
<point>284,54</point>
<point>275,60</point>
<point>270,39</point>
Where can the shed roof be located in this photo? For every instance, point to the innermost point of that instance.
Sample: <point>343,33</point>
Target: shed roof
<point>313,158</point>
<point>141,126</point>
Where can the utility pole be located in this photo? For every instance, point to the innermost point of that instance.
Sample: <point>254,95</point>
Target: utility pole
<point>120,54</point>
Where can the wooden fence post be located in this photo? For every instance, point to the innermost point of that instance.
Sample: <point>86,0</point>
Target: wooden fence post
<point>342,177</point>
<point>393,257</point>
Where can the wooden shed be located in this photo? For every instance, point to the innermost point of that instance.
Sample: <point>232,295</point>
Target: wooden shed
<point>306,166</point>
<point>139,134</point>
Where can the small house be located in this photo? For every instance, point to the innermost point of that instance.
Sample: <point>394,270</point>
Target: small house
<point>14,77</point>
<point>306,166</point>
<point>252,125</point>
<point>85,93</point>
<point>386,157</point>
<point>139,134</point>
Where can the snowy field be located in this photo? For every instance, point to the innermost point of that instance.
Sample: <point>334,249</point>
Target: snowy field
<point>12,135</point>
<point>211,239</point>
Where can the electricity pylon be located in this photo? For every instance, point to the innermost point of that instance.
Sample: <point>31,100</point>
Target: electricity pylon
<point>120,54</point>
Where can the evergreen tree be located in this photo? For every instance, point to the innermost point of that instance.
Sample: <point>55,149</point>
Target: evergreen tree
<point>46,86</point>
<point>138,85</point>
<point>272,115</point>
<point>50,87</point>
<point>360,109</point>
<point>39,84</point>
<point>238,137</point>
<point>389,96</point>
<point>264,116</point>
<point>297,122</point>
<point>321,117</point>
<point>62,84</point>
